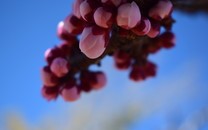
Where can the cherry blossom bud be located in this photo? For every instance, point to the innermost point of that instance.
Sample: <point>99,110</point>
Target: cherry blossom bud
<point>52,53</point>
<point>76,8</point>
<point>103,18</point>
<point>150,69</point>
<point>122,60</point>
<point>59,67</point>
<point>161,10</point>
<point>100,81</point>
<point>112,2</point>
<point>143,27</point>
<point>93,42</point>
<point>62,33</point>
<point>48,78</point>
<point>167,40</point>
<point>137,73</point>
<point>50,93</point>
<point>128,15</point>
<point>73,25</point>
<point>86,11</point>
<point>70,94</point>
<point>155,29</point>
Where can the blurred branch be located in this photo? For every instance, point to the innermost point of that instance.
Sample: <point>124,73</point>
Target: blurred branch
<point>191,6</point>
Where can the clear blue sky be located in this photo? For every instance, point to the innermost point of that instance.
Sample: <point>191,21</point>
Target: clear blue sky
<point>28,28</point>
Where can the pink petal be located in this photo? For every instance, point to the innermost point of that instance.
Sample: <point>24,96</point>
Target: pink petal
<point>102,17</point>
<point>101,81</point>
<point>128,15</point>
<point>85,10</point>
<point>59,67</point>
<point>161,10</point>
<point>70,94</point>
<point>92,45</point>
<point>49,93</point>
<point>76,8</point>
<point>143,28</point>
<point>48,78</point>
<point>155,30</point>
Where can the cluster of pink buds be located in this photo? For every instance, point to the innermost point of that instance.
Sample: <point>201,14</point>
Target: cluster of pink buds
<point>128,30</point>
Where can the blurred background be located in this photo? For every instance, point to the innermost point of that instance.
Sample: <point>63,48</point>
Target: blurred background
<point>177,99</point>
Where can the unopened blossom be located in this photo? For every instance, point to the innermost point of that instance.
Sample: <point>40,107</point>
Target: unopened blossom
<point>167,40</point>
<point>49,93</point>
<point>73,25</point>
<point>62,32</point>
<point>59,67</point>
<point>101,80</point>
<point>154,30</point>
<point>161,10</point>
<point>143,27</point>
<point>76,8</point>
<point>137,73</point>
<point>103,18</point>
<point>93,44</point>
<point>48,78</point>
<point>70,94</point>
<point>122,60</point>
<point>128,15</point>
<point>86,10</point>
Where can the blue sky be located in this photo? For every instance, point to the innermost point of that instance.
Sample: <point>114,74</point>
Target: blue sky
<point>28,28</point>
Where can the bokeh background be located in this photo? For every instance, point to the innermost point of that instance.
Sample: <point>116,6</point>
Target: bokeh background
<point>177,99</point>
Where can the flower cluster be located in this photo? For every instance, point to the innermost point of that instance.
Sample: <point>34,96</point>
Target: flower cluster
<point>124,29</point>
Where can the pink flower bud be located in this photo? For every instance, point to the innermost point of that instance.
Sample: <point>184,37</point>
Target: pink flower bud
<point>142,28</point>
<point>155,29</point>
<point>137,73</point>
<point>103,18</point>
<point>161,10</point>
<point>70,94</point>
<point>59,67</point>
<point>167,40</point>
<point>73,25</point>
<point>93,42</point>
<point>100,80</point>
<point>122,60</point>
<point>128,15</point>
<point>50,93</point>
<point>86,11</point>
<point>48,78</point>
<point>62,33</point>
<point>112,2</point>
<point>150,69</point>
<point>52,53</point>
<point>76,8</point>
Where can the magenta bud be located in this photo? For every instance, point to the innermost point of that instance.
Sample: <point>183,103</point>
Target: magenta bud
<point>50,93</point>
<point>86,11</point>
<point>167,39</point>
<point>76,8</point>
<point>48,78</point>
<point>100,81</point>
<point>103,18</point>
<point>93,42</point>
<point>150,69</point>
<point>60,67</point>
<point>128,15</point>
<point>155,29</point>
<point>143,27</point>
<point>161,10</point>
<point>137,73</point>
<point>70,94</point>
<point>73,25</point>
<point>63,33</point>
